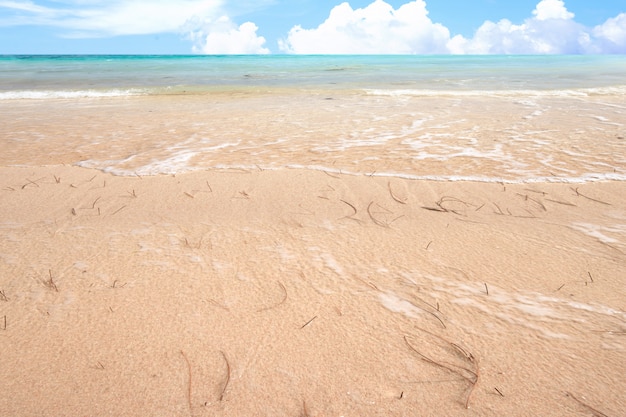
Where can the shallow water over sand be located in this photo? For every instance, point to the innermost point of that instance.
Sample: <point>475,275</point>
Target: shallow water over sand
<point>508,137</point>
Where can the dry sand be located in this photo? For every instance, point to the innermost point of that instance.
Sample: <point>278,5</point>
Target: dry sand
<point>304,293</point>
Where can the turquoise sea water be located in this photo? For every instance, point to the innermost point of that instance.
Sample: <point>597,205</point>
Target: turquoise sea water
<point>69,76</point>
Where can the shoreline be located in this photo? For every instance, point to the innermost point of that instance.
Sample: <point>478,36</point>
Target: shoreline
<point>423,138</point>
<point>294,291</point>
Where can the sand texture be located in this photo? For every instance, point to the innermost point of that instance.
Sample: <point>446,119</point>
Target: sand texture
<point>306,293</point>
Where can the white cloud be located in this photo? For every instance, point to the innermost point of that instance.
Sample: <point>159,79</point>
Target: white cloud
<point>379,29</point>
<point>611,35</point>
<point>198,20</point>
<point>551,30</point>
<point>223,36</point>
<point>101,18</point>
<point>535,36</point>
<point>25,6</point>
<point>552,9</point>
<point>375,29</point>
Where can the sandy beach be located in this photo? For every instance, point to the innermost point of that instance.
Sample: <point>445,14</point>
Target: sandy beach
<point>314,247</point>
<point>298,292</point>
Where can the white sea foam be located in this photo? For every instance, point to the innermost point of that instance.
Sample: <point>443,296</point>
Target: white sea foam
<point>585,178</point>
<point>65,94</point>
<point>607,121</point>
<point>180,163</point>
<point>108,166</point>
<point>582,92</point>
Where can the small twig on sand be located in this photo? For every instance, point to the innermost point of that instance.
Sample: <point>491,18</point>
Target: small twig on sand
<point>528,198</point>
<point>308,322</point>
<point>227,376</point>
<point>282,287</point>
<point>305,412</point>
<point>578,194</point>
<point>215,303</point>
<point>188,378</point>
<point>447,199</point>
<point>500,212</point>
<point>3,296</point>
<point>469,375</point>
<point>376,221</point>
<point>565,203</point>
<point>596,413</point>
<point>476,372</point>
<point>31,182</point>
<point>434,209</point>
<point>118,210</point>
<point>115,285</point>
<point>351,216</point>
<point>536,191</point>
<point>432,313</point>
<point>50,282</point>
<point>398,199</point>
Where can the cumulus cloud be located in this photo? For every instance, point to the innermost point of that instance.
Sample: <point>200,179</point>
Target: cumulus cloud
<point>377,28</point>
<point>611,35</point>
<point>223,36</point>
<point>380,29</point>
<point>551,30</point>
<point>552,9</point>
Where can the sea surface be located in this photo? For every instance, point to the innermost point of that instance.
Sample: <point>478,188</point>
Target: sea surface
<point>484,118</point>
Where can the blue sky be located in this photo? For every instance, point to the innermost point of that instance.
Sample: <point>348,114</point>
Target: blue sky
<point>312,26</point>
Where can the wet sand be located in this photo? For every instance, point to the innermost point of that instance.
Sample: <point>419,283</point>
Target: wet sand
<point>480,137</point>
<point>298,292</point>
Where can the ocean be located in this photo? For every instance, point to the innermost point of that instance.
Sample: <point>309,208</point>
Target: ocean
<point>42,76</point>
<point>482,118</point>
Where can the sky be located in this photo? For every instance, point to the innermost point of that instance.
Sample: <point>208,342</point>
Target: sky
<point>312,26</point>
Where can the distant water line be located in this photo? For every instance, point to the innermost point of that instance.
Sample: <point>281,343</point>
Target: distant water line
<point>71,76</point>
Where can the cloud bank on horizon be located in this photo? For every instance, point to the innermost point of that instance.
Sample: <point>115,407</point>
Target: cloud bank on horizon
<point>378,28</point>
